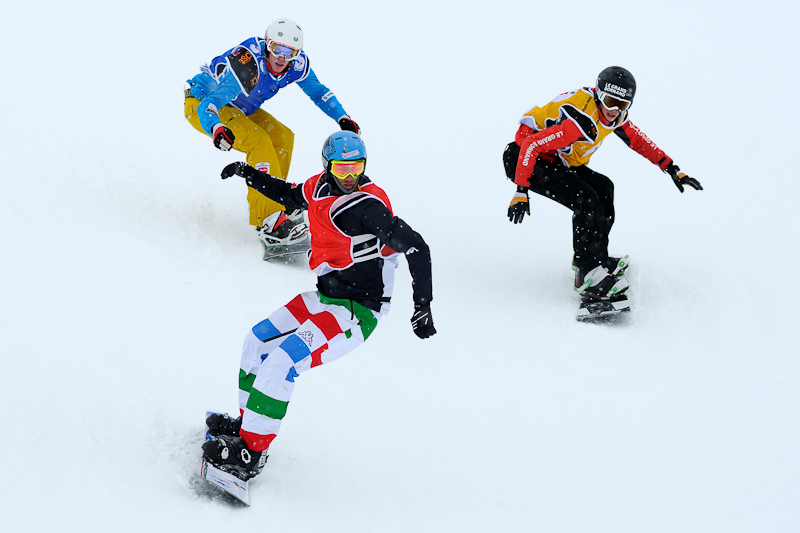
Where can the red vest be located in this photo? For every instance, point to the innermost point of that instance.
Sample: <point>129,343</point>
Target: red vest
<point>331,249</point>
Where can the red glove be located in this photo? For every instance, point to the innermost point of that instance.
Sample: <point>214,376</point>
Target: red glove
<point>223,137</point>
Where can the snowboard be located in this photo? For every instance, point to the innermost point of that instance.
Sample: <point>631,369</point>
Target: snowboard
<point>224,481</point>
<point>592,310</point>
<point>290,253</point>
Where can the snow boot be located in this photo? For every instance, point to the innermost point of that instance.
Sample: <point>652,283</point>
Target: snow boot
<point>231,454</point>
<point>599,284</point>
<point>280,230</point>
<point>296,216</point>
<point>616,266</point>
<point>222,424</point>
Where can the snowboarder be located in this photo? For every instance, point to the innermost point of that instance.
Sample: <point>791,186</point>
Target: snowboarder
<point>355,244</point>
<point>549,156</point>
<point>224,102</point>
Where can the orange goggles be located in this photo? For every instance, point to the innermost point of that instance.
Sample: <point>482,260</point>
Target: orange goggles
<point>343,169</point>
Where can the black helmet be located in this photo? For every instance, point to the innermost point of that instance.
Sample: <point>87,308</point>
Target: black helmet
<point>616,87</point>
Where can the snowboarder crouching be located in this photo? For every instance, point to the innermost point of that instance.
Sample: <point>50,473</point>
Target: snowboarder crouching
<point>355,244</point>
<point>552,147</point>
<point>224,102</point>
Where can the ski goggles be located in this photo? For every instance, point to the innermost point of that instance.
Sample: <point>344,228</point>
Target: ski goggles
<point>343,169</point>
<point>612,102</point>
<point>278,49</point>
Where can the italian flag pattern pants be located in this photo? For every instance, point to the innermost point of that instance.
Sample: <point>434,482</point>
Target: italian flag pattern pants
<point>309,331</point>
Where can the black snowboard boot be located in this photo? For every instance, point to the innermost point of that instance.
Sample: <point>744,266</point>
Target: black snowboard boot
<point>617,266</point>
<point>223,425</point>
<point>598,284</point>
<point>231,454</point>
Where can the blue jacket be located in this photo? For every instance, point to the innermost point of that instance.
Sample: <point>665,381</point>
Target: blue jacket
<point>240,77</point>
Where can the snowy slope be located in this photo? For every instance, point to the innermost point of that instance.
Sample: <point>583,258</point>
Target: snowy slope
<point>129,276</point>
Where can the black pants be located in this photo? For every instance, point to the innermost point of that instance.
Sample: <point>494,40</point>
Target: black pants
<point>588,194</point>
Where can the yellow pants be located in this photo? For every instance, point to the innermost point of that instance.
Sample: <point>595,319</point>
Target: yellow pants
<point>267,143</point>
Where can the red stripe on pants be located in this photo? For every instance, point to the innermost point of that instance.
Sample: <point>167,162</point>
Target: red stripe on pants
<point>316,355</point>
<point>298,309</point>
<point>327,324</point>
<point>256,442</point>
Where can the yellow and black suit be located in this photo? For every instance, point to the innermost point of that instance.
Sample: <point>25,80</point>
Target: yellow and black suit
<point>549,155</point>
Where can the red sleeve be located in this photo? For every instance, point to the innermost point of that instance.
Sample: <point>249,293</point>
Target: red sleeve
<point>641,143</point>
<point>533,143</point>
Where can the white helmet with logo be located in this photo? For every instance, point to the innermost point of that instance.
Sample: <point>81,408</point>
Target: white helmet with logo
<point>286,32</point>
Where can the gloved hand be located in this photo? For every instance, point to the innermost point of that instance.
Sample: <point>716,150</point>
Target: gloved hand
<point>348,124</point>
<point>682,179</point>
<point>240,169</point>
<point>519,205</point>
<point>422,321</point>
<point>233,168</point>
<point>223,137</point>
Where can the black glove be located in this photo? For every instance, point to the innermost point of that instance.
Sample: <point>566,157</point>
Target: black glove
<point>682,179</point>
<point>348,124</point>
<point>223,137</point>
<point>241,169</point>
<point>234,168</point>
<point>422,321</point>
<point>519,205</point>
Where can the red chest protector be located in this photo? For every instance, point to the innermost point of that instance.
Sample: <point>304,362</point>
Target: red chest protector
<point>331,249</point>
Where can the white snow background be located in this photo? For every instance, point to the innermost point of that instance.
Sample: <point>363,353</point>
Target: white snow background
<point>129,275</point>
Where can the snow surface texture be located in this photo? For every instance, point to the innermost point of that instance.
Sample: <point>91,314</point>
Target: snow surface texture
<point>130,276</point>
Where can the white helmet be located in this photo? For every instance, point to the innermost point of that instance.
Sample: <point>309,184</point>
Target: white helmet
<point>285,32</point>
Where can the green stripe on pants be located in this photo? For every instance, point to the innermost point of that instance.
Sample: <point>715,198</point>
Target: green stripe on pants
<point>260,403</point>
<point>246,380</point>
<point>366,320</point>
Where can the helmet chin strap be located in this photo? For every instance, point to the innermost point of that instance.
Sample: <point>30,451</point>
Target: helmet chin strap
<point>274,73</point>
